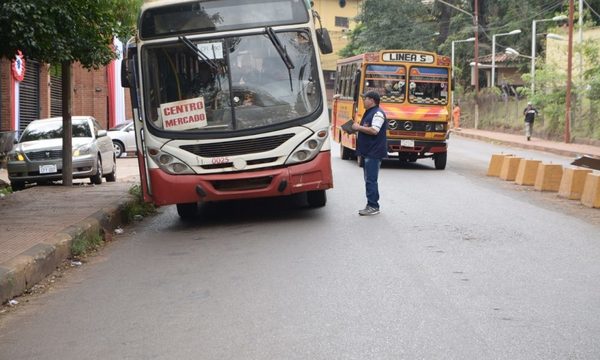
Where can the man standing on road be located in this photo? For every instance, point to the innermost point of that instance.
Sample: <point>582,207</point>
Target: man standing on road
<point>371,146</point>
<point>530,112</point>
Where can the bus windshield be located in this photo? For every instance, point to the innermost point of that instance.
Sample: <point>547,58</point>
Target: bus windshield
<point>233,83</point>
<point>428,85</point>
<point>388,80</point>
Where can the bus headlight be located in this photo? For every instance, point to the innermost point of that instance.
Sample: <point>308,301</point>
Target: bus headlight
<point>169,163</point>
<point>308,149</point>
<point>440,127</point>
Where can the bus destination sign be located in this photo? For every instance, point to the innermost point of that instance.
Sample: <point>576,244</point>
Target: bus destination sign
<point>408,57</point>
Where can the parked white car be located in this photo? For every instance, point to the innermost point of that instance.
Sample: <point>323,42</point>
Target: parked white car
<point>123,138</point>
<point>37,157</point>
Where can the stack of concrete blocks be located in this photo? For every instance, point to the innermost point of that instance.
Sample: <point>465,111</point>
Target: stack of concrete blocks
<point>496,164</point>
<point>591,190</point>
<point>548,177</point>
<point>527,172</point>
<point>510,166</point>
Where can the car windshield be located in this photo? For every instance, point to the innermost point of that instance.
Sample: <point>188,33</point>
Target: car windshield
<point>242,83</point>
<point>52,129</point>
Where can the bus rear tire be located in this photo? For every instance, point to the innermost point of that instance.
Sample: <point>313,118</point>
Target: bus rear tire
<point>187,211</point>
<point>440,160</point>
<point>316,198</point>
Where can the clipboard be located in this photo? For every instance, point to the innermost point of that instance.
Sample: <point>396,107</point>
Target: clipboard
<point>347,127</point>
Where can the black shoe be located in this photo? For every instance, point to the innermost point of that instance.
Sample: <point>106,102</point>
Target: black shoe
<point>528,138</point>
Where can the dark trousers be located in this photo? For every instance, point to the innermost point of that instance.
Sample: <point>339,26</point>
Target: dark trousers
<point>371,172</point>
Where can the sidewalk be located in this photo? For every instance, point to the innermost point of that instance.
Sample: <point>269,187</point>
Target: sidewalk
<point>37,226</point>
<point>559,148</point>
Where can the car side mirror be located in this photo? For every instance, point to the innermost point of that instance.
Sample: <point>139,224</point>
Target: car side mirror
<point>101,133</point>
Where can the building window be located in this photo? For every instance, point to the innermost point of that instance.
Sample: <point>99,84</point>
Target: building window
<point>342,22</point>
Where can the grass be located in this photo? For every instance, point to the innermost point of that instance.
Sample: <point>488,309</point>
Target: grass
<point>138,206</point>
<point>85,244</point>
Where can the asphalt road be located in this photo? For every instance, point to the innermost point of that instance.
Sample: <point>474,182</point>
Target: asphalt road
<point>457,266</point>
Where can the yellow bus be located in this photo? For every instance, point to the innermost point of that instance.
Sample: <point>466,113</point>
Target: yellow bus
<point>415,92</point>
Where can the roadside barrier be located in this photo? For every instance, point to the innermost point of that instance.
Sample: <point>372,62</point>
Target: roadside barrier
<point>510,166</point>
<point>591,191</point>
<point>527,172</point>
<point>572,183</point>
<point>496,164</point>
<point>548,177</point>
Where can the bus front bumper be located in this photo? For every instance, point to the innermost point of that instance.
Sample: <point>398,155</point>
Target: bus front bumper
<point>179,189</point>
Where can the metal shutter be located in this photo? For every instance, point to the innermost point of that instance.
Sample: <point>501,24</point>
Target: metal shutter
<point>29,95</point>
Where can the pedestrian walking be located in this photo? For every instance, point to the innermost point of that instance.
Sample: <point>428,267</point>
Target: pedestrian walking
<point>530,112</point>
<point>456,116</point>
<point>371,146</point>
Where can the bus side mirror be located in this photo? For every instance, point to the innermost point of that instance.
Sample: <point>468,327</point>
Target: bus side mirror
<point>324,41</point>
<point>452,85</point>
<point>124,77</point>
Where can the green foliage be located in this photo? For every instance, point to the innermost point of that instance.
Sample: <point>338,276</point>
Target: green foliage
<point>138,206</point>
<point>86,243</point>
<point>59,31</point>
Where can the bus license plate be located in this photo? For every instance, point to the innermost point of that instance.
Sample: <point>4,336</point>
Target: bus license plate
<point>47,169</point>
<point>407,143</point>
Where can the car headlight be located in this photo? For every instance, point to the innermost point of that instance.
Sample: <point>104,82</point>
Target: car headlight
<point>308,149</point>
<point>16,156</point>
<point>169,163</point>
<point>82,150</point>
<point>440,127</point>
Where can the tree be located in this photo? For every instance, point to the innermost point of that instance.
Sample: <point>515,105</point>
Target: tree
<point>63,32</point>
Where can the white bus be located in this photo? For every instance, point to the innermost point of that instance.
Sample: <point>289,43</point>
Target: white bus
<point>229,101</point>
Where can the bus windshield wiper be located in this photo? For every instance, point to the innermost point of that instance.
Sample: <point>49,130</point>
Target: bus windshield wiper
<point>190,45</point>
<point>282,52</point>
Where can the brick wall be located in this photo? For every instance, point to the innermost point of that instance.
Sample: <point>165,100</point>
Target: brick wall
<point>4,95</point>
<point>90,94</point>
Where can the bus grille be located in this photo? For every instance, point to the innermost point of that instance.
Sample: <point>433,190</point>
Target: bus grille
<point>44,155</point>
<point>239,147</point>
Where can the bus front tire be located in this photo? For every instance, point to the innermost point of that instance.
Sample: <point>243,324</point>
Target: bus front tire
<point>316,198</point>
<point>187,211</point>
<point>440,160</point>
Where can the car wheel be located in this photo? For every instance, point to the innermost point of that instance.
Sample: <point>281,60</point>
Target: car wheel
<point>17,185</point>
<point>119,148</point>
<point>97,179</point>
<point>112,176</point>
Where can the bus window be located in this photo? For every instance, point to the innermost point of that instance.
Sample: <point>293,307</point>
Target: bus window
<point>388,80</point>
<point>428,85</point>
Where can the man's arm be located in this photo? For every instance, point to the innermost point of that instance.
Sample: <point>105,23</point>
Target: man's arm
<point>376,125</point>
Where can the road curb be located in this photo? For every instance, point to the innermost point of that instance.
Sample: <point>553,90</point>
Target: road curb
<point>560,152</point>
<point>34,264</point>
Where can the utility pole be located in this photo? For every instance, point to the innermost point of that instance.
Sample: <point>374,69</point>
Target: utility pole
<point>569,74</point>
<point>476,67</point>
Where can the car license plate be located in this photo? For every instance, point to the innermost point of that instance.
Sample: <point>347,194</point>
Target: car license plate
<point>47,169</point>
<point>407,143</point>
